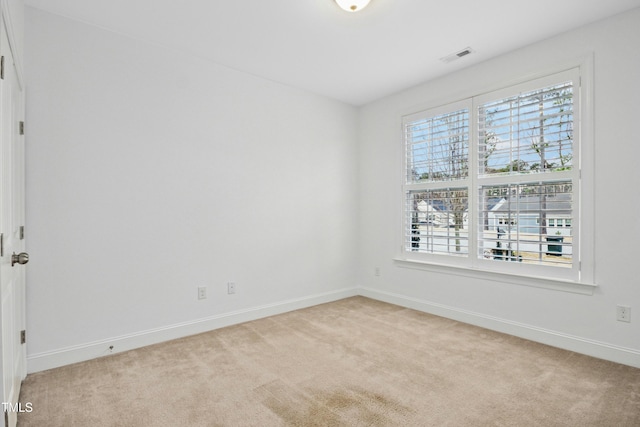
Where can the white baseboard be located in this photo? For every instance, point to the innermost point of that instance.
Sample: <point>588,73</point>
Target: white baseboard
<point>593,348</point>
<point>66,356</point>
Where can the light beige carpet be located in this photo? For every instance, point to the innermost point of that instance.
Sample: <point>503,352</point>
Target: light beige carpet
<point>355,362</point>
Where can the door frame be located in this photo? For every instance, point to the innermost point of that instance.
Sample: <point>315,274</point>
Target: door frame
<point>13,366</point>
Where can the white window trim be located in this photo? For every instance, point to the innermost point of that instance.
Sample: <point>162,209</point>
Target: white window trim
<point>495,276</point>
<point>581,281</point>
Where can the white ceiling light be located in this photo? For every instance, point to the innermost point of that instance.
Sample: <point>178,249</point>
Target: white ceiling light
<point>352,5</point>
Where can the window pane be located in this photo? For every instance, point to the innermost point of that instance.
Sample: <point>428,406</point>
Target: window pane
<point>437,221</point>
<point>438,147</point>
<point>527,133</point>
<point>515,223</point>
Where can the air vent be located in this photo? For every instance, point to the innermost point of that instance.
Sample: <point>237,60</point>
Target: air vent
<point>450,58</point>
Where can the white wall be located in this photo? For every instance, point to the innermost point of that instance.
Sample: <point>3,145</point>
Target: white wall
<point>151,172</point>
<point>579,322</point>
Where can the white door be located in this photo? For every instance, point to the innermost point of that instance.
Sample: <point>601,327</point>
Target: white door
<point>12,272</point>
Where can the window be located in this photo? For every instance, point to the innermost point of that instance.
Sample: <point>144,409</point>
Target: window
<point>493,182</point>
<point>439,154</point>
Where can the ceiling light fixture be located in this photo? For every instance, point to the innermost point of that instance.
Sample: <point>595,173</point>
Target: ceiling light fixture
<point>353,5</point>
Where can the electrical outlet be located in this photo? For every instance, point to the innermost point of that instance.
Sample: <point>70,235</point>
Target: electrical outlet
<point>377,271</point>
<point>202,292</point>
<point>623,313</point>
<point>231,288</point>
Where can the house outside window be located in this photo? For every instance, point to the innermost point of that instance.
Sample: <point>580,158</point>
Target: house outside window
<point>493,181</point>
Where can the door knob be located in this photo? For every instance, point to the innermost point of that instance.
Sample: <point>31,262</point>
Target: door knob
<point>21,258</point>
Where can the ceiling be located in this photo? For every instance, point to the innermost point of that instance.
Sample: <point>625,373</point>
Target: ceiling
<point>353,57</point>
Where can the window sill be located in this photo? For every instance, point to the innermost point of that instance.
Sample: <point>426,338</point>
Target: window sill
<point>538,282</point>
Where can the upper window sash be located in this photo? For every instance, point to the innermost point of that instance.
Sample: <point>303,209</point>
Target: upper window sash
<point>527,133</point>
<point>437,144</point>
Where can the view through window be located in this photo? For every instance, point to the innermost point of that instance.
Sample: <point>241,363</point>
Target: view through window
<point>493,179</point>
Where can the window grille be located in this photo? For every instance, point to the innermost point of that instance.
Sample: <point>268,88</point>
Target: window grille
<point>438,147</point>
<point>437,219</point>
<point>530,235</point>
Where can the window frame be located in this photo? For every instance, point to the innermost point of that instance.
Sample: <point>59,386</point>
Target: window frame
<point>577,278</point>
<point>437,184</point>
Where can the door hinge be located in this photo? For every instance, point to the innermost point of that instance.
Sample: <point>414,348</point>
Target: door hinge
<point>21,128</point>
<point>2,244</point>
<point>2,67</point>
<point>23,336</point>
<point>22,232</point>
